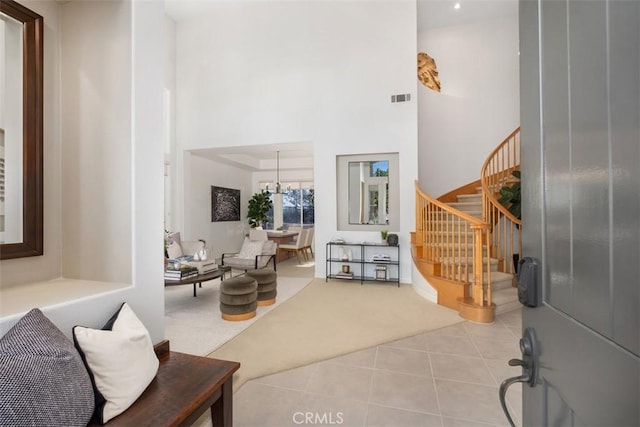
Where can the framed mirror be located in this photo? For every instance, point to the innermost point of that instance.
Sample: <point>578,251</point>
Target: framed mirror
<point>21,121</point>
<point>367,192</point>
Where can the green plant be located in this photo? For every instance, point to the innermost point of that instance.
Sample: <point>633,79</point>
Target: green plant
<point>167,233</point>
<point>510,196</point>
<point>259,206</point>
<point>384,234</point>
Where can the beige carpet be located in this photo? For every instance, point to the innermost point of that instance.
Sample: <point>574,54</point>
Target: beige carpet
<point>325,320</point>
<point>194,326</point>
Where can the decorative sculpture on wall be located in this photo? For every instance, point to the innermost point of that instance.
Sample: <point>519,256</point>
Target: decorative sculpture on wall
<point>428,72</point>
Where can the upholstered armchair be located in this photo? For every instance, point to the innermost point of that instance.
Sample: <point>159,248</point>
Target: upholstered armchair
<point>254,254</point>
<point>183,249</point>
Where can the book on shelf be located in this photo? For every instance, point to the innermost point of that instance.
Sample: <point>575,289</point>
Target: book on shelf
<point>343,275</point>
<point>381,258</point>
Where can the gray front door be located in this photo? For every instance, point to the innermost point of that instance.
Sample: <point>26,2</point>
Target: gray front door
<point>580,97</point>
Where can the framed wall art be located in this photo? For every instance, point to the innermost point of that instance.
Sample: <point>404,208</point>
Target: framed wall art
<point>225,204</point>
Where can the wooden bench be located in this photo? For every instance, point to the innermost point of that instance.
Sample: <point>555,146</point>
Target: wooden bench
<point>185,387</point>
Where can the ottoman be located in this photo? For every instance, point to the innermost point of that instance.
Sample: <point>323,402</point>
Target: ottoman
<point>238,298</point>
<point>267,283</point>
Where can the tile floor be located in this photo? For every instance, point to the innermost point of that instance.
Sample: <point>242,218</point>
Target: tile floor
<point>448,377</point>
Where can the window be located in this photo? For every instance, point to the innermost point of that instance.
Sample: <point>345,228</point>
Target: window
<point>297,203</point>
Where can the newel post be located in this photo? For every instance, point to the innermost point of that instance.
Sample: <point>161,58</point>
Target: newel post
<point>479,232</point>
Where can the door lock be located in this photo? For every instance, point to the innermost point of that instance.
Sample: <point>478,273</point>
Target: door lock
<point>529,364</point>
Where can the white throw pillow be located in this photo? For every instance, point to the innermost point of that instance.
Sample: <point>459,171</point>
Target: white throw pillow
<point>120,359</point>
<point>251,248</point>
<point>174,250</point>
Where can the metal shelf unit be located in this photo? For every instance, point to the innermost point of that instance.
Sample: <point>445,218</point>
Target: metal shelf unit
<point>368,268</point>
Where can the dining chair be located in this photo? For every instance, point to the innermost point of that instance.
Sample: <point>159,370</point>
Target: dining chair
<point>297,246</point>
<point>295,229</point>
<point>255,234</point>
<point>308,246</point>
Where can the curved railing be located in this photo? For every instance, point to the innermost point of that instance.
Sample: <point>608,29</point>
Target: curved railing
<point>506,229</point>
<point>457,242</point>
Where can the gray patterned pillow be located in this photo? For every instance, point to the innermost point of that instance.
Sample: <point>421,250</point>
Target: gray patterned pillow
<point>43,381</point>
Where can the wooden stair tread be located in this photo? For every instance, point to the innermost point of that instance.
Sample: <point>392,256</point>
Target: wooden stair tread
<point>466,203</point>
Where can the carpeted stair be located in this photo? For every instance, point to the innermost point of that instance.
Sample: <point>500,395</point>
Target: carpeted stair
<point>504,295</point>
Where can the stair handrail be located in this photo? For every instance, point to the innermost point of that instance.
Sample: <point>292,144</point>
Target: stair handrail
<point>479,293</point>
<point>448,208</point>
<point>496,171</point>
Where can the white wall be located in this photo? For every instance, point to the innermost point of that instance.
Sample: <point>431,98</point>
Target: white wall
<point>272,72</point>
<point>117,109</point>
<point>170,122</point>
<point>479,104</point>
<point>224,236</point>
<point>96,154</point>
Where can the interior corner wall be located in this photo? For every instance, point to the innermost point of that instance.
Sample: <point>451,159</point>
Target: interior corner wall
<point>96,155</point>
<point>220,237</point>
<point>34,269</point>
<point>170,123</point>
<point>253,73</point>
<point>478,107</point>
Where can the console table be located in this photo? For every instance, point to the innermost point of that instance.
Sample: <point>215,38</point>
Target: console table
<point>363,261</point>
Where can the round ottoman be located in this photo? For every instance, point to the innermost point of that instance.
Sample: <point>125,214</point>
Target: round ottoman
<point>238,298</point>
<point>267,284</point>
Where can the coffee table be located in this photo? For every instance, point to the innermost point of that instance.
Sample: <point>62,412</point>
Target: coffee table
<point>197,280</point>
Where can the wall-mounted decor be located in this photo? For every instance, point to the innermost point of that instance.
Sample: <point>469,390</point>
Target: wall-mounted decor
<point>1,183</point>
<point>428,72</point>
<point>368,192</point>
<point>225,204</point>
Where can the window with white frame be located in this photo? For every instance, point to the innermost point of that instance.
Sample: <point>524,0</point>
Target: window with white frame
<point>297,203</point>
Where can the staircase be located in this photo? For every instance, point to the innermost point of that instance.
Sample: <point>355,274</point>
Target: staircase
<point>464,240</point>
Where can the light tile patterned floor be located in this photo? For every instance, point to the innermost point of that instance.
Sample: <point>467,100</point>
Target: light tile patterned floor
<point>446,378</point>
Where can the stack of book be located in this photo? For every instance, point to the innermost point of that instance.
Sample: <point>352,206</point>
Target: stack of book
<point>342,275</point>
<point>180,273</point>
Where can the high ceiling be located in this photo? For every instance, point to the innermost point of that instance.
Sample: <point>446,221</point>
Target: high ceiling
<point>430,14</point>
<point>443,13</point>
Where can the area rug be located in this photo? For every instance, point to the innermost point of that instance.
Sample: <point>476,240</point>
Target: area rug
<point>194,326</point>
<point>326,320</point>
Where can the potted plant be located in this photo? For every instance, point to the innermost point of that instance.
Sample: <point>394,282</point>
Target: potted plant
<point>510,198</point>
<point>259,206</point>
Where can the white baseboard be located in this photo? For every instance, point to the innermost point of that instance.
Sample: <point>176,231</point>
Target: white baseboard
<point>422,287</point>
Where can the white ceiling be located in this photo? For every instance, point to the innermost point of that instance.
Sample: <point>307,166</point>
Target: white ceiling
<point>442,13</point>
<point>261,157</point>
<point>430,14</point>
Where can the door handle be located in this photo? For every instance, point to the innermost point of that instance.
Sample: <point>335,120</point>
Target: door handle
<point>529,364</point>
